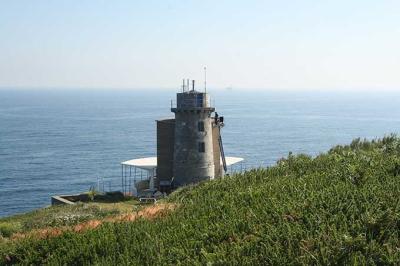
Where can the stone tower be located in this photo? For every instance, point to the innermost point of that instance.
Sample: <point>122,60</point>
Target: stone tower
<point>193,146</point>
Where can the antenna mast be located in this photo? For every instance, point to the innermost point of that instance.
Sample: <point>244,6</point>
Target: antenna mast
<point>205,79</point>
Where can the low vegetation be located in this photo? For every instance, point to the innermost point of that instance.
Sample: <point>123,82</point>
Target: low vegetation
<point>62,215</point>
<point>341,207</point>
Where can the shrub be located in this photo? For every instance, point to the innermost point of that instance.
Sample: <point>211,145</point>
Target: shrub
<point>7,228</point>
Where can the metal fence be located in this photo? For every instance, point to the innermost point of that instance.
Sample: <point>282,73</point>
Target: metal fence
<point>113,183</point>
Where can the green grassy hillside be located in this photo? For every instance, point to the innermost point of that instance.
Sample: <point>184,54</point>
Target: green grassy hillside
<point>342,207</point>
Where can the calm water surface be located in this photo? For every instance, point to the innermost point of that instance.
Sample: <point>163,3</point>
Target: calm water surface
<point>58,142</point>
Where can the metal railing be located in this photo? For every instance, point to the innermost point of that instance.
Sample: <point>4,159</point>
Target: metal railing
<point>113,183</point>
<point>107,184</point>
<point>193,102</point>
<point>244,167</point>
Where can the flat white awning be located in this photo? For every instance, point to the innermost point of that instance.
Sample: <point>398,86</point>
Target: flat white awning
<point>232,160</point>
<point>148,163</point>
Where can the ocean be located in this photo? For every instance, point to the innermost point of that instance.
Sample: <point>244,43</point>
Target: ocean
<point>61,141</point>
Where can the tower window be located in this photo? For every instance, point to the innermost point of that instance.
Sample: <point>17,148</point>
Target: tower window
<point>202,147</point>
<point>200,126</point>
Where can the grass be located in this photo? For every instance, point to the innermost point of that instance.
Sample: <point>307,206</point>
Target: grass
<point>341,207</point>
<point>62,215</point>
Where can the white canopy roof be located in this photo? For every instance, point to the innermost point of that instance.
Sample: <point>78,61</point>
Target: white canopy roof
<point>147,163</point>
<point>150,163</point>
<point>232,160</point>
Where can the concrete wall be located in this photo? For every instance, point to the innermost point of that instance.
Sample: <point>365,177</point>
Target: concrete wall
<point>59,200</point>
<point>191,165</point>
<point>165,152</point>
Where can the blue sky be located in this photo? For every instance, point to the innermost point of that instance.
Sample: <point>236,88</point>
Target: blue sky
<point>293,44</point>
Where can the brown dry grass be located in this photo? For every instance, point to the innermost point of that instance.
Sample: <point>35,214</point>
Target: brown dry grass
<point>149,213</point>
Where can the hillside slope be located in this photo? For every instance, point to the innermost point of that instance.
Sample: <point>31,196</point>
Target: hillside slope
<point>342,207</point>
